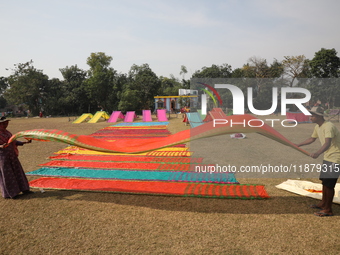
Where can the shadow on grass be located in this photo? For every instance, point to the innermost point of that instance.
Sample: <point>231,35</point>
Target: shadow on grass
<point>292,204</point>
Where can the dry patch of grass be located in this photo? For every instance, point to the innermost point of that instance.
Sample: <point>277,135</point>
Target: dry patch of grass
<point>69,222</point>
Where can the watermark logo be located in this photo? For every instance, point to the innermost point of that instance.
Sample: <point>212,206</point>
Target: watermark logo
<point>239,102</point>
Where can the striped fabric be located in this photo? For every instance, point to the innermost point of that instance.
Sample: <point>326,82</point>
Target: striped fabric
<point>240,191</point>
<point>161,171</point>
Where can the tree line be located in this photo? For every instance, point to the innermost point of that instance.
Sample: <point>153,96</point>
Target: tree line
<point>103,88</point>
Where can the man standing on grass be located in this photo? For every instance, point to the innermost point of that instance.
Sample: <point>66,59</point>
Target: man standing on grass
<point>329,137</point>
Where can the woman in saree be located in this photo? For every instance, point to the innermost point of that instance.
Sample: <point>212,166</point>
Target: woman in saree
<point>13,180</point>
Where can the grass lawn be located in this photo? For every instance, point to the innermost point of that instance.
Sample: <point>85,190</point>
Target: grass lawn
<point>74,222</point>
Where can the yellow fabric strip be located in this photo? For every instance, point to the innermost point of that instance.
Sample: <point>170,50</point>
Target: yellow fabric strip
<point>77,150</point>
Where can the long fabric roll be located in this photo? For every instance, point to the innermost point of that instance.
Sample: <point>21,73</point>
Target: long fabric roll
<point>136,175</point>
<point>239,191</point>
<point>144,145</point>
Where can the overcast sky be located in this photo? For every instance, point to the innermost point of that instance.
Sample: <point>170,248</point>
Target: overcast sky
<point>163,33</point>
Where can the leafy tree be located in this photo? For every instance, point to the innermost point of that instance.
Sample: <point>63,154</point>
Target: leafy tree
<point>3,86</point>
<point>295,67</point>
<point>238,73</point>
<point>262,82</point>
<point>3,102</point>
<point>325,64</point>
<point>215,71</point>
<point>169,86</point>
<point>183,71</point>
<point>259,68</point>
<point>53,96</point>
<point>27,85</point>
<point>276,69</point>
<point>74,98</point>
<point>256,68</point>
<point>100,83</point>
<point>145,81</point>
<point>130,100</point>
<point>185,83</point>
<point>116,91</point>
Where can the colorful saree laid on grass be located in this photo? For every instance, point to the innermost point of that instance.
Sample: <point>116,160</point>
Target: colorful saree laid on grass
<point>128,145</point>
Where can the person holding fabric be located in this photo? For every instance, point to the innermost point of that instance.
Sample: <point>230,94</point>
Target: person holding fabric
<point>13,180</point>
<point>329,137</point>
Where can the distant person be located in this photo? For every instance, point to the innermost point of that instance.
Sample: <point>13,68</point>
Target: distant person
<point>329,137</point>
<point>40,114</point>
<point>13,180</point>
